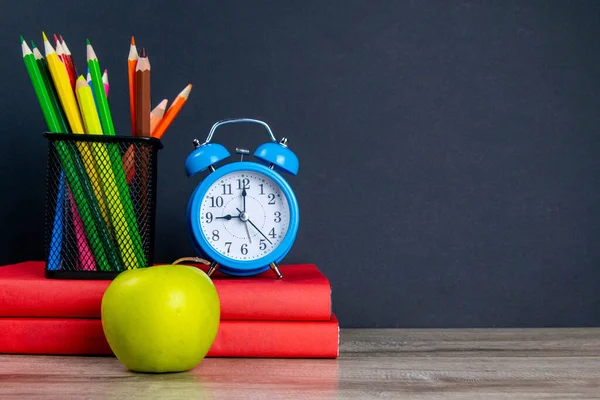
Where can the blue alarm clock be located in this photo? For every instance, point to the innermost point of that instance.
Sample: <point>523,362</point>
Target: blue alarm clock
<point>243,216</point>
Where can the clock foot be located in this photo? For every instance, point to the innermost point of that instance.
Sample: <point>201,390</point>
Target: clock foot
<point>276,270</point>
<point>213,268</point>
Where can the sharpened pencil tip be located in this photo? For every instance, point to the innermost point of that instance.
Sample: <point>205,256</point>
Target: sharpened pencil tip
<point>87,41</point>
<point>143,52</point>
<point>61,39</point>
<point>132,41</point>
<point>33,45</point>
<point>56,39</point>
<point>44,37</point>
<point>22,39</point>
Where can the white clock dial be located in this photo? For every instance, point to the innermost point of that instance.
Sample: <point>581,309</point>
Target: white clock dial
<point>244,215</point>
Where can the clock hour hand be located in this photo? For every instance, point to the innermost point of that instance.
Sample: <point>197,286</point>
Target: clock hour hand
<point>228,217</point>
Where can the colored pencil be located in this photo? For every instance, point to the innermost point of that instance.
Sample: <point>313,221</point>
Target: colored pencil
<point>117,213</point>
<point>113,151</point>
<point>43,67</point>
<point>128,159</point>
<point>69,104</point>
<point>172,112</point>
<point>87,107</point>
<point>83,247</point>
<point>89,80</point>
<point>157,114</point>
<point>62,84</point>
<point>99,93</point>
<point>58,224</point>
<point>86,259</point>
<point>105,82</point>
<point>69,55</point>
<point>142,95</point>
<point>64,59</point>
<point>54,263</point>
<point>132,60</point>
<point>69,164</point>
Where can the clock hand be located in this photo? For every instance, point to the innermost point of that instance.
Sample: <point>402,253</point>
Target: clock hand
<point>251,223</point>
<point>244,197</point>
<point>248,232</point>
<point>244,220</point>
<point>228,217</point>
<point>260,232</point>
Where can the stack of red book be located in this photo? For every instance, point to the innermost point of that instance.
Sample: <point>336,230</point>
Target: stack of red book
<point>260,316</point>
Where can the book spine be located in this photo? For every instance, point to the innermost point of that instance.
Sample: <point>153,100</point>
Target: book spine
<point>276,339</point>
<point>240,300</point>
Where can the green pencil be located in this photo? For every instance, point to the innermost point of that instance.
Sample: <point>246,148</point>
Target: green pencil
<point>69,164</point>
<point>45,73</point>
<point>115,158</point>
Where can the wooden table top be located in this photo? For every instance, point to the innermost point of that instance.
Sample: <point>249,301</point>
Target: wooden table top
<point>381,363</point>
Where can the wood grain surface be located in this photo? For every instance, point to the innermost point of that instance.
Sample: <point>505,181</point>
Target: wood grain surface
<point>381,363</point>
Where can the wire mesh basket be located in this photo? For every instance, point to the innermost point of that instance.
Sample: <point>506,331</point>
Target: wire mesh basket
<point>100,204</point>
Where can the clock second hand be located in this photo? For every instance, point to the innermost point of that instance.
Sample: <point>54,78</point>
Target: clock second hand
<point>259,231</point>
<point>248,232</point>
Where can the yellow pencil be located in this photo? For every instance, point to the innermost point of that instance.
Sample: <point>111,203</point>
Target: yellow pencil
<point>63,87</point>
<point>89,112</point>
<point>66,96</point>
<point>87,107</point>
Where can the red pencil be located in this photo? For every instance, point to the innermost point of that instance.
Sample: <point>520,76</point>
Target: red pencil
<point>69,56</point>
<point>60,52</point>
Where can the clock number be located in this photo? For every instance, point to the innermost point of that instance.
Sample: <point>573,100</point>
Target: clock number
<point>226,188</point>
<point>263,244</point>
<point>228,244</point>
<point>262,188</point>
<point>218,201</point>
<point>272,233</point>
<point>277,216</point>
<point>215,235</point>
<point>209,217</point>
<point>271,198</point>
<point>243,183</point>
<point>244,249</point>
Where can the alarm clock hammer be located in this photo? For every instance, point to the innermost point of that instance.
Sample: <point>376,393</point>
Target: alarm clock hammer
<point>240,201</point>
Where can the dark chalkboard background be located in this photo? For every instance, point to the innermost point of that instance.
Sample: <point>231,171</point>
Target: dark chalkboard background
<point>449,150</point>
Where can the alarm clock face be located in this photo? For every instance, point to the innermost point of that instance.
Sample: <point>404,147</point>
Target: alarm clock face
<point>244,215</point>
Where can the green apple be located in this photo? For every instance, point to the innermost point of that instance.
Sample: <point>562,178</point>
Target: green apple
<point>162,318</point>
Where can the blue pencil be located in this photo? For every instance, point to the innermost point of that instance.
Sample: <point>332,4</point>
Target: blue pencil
<point>56,242</point>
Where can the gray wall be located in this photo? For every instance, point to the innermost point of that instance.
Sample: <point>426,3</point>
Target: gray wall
<point>449,150</point>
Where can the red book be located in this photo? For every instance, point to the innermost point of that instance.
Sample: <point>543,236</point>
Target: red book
<point>303,294</point>
<point>73,336</point>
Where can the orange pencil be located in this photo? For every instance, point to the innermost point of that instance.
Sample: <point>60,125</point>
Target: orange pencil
<point>157,114</point>
<point>172,112</point>
<point>131,67</point>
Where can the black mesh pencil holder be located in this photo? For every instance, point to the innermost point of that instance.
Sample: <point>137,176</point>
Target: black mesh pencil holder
<point>100,204</point>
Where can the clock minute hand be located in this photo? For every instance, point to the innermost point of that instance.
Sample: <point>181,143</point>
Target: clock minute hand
<point>259,231</point>
<point>251,223</point>
<point>244,197</point>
